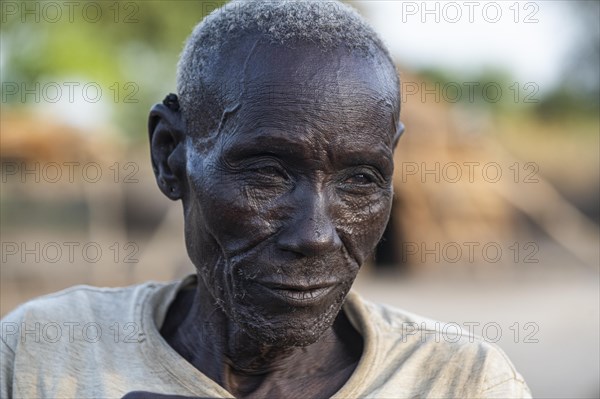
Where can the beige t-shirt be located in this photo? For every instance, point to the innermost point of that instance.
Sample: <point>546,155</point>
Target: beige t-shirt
<point>105,342</point>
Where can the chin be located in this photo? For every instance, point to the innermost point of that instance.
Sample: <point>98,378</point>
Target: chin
<point>298,327</point>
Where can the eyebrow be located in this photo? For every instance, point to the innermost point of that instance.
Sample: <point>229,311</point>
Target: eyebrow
<point>263,143</point>
<point>278,143</point>
<point>377,157</point>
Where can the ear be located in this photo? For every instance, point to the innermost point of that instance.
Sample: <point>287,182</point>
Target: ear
<point>398,133</point>
<point>167,135</point>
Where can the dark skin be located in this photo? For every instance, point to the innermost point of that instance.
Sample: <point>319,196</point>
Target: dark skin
<point>282,206</point>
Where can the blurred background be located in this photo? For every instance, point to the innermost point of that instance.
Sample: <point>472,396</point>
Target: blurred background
<point>497,178</point>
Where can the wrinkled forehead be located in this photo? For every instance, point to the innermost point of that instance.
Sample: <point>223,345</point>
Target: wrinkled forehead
<point>306,87</point>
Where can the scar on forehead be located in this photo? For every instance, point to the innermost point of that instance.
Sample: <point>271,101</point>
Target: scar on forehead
<point>227,115</point>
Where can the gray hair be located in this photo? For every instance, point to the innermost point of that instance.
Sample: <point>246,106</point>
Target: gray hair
<point>326,24</point>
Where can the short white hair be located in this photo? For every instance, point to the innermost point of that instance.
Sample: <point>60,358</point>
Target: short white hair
<point>325,24</point>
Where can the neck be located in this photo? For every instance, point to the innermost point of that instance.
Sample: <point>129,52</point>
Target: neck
<point>201,332</point>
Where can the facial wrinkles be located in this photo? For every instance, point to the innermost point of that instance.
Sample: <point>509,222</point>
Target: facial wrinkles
<point>289,330</point>
<point>219,88</point>
<point>329,100</point>
<point>302,94</point>
<point>253,227</point>
<point>258,230</point>
<point>251,316</point>
<point>349,212</point>
<point>243,236</point>
<point>274,215</point>
<point>257,264</point>
<point>213,264</point>
<point>228,192</point>
<point>229,111</point>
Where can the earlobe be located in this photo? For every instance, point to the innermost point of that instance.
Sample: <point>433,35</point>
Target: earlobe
<point>398,133</point>
<point>167,134</point>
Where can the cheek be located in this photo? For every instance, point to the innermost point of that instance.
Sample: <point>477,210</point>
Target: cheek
<point>237,217</point>
<point>362,222</point>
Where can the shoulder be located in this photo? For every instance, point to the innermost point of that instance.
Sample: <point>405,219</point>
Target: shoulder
<point>80,299</point>
<point>75,305</point>
<point>393,322</point>
<point>425,348</point>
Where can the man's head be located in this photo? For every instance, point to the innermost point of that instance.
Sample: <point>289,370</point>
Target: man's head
<point>281,152</point>
<point>204,89</point>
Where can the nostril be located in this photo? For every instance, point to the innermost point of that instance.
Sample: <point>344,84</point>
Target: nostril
<point>308,239</point>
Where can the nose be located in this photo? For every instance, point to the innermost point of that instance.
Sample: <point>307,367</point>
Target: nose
<point>310,231</point>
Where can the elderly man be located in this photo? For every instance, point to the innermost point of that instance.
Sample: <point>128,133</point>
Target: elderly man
<point>279,146</point>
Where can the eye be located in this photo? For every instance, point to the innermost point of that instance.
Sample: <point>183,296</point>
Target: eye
<point>266,171</point>
<point>363,181</point>
<point>360,179</point>
<point>269,171</point>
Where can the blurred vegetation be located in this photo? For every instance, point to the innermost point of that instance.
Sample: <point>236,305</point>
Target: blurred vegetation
<point>578,95</point>
<point>108,42</point>
<point>568,102</point>
<point>575,99</point>
<point>105,43</point>
<point>491,88</point>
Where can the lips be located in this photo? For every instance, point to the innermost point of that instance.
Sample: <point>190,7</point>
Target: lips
<point>299,294</point>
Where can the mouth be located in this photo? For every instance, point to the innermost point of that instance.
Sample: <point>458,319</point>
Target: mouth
<point>299,294</point>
